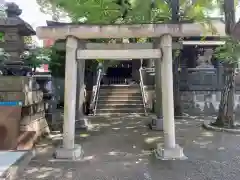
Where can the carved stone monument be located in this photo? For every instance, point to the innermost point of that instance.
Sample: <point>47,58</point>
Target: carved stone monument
<point>204,61</point>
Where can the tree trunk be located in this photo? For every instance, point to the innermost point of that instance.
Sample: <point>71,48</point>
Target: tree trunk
<point>226,108</point>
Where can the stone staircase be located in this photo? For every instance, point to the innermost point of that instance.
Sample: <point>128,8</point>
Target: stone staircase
<point>120,100</point>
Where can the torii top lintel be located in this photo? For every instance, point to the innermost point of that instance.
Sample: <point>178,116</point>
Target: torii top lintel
<point>85,31</point>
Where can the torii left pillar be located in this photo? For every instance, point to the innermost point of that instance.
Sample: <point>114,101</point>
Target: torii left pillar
<point>69,149</point>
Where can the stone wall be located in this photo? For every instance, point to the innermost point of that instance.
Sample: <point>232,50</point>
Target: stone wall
<point>198,103</point>
<point>200,90</point>
<point>30,120</point>
<point>205,102</point>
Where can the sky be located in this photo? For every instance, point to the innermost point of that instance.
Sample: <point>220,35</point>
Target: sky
<point>31,12</point>
<point>34,17</point>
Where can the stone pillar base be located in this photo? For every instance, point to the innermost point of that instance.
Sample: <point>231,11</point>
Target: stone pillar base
<point>169,154</point>
<point>69,154</point>
<point>83,123</point>
<point>156,124</point>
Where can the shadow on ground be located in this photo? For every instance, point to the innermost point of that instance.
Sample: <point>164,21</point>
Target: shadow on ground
<point>120,148</point>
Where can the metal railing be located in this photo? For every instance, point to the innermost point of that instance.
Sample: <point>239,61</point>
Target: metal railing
<point>142,87</point>
<point>116,80</point>
<point>95,92</point>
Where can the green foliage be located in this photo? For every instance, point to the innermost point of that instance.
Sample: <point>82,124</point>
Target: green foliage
<point>36,57</point>
<point>95,11</point>
<point>130,11</point>
<point>229,52</point>
<point>51,8</point>
<point>57,62</point>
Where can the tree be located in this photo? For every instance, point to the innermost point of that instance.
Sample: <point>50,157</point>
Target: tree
<point>229,55</point>
<point>48,7</point>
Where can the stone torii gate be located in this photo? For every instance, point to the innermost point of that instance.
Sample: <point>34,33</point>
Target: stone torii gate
<point>77,49</point>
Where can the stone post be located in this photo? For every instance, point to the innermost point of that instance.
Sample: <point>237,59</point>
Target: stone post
<point>157,124</point>
<point>81,120</point>
<point>170,150</point>
<point>69,149</point>
<point>158,92</point>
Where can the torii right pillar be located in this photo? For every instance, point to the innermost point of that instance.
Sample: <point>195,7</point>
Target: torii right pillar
<point>170,150</point>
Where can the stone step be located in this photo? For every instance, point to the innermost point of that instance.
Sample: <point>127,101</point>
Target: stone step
<point>117,98</point>
<point>120,86</point>
<point>126,110</point>
<point>120,114</point>
<point>118,106</point>
<point>120,91</point>
<point>119,94</point>
<point>120,101</point>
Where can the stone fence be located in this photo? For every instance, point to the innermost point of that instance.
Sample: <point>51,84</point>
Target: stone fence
<point>200,90</point>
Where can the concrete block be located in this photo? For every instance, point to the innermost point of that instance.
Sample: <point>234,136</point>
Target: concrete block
<point>157,124</point>
<point>18,83</point>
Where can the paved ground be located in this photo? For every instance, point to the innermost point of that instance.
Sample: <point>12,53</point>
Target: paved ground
<point>121,149</point>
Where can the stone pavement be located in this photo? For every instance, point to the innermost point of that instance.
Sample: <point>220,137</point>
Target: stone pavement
<point>121,149</point>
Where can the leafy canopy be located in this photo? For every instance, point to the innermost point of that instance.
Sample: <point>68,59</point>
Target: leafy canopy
<point>229,52</point>
<point>128,11</point>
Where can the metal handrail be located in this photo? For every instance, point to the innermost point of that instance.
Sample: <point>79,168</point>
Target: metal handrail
<point>142,87</point>
<point>96,88</point>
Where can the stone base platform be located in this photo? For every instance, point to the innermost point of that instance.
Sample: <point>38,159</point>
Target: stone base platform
<point>74,154</point>
<point>169,153</point>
